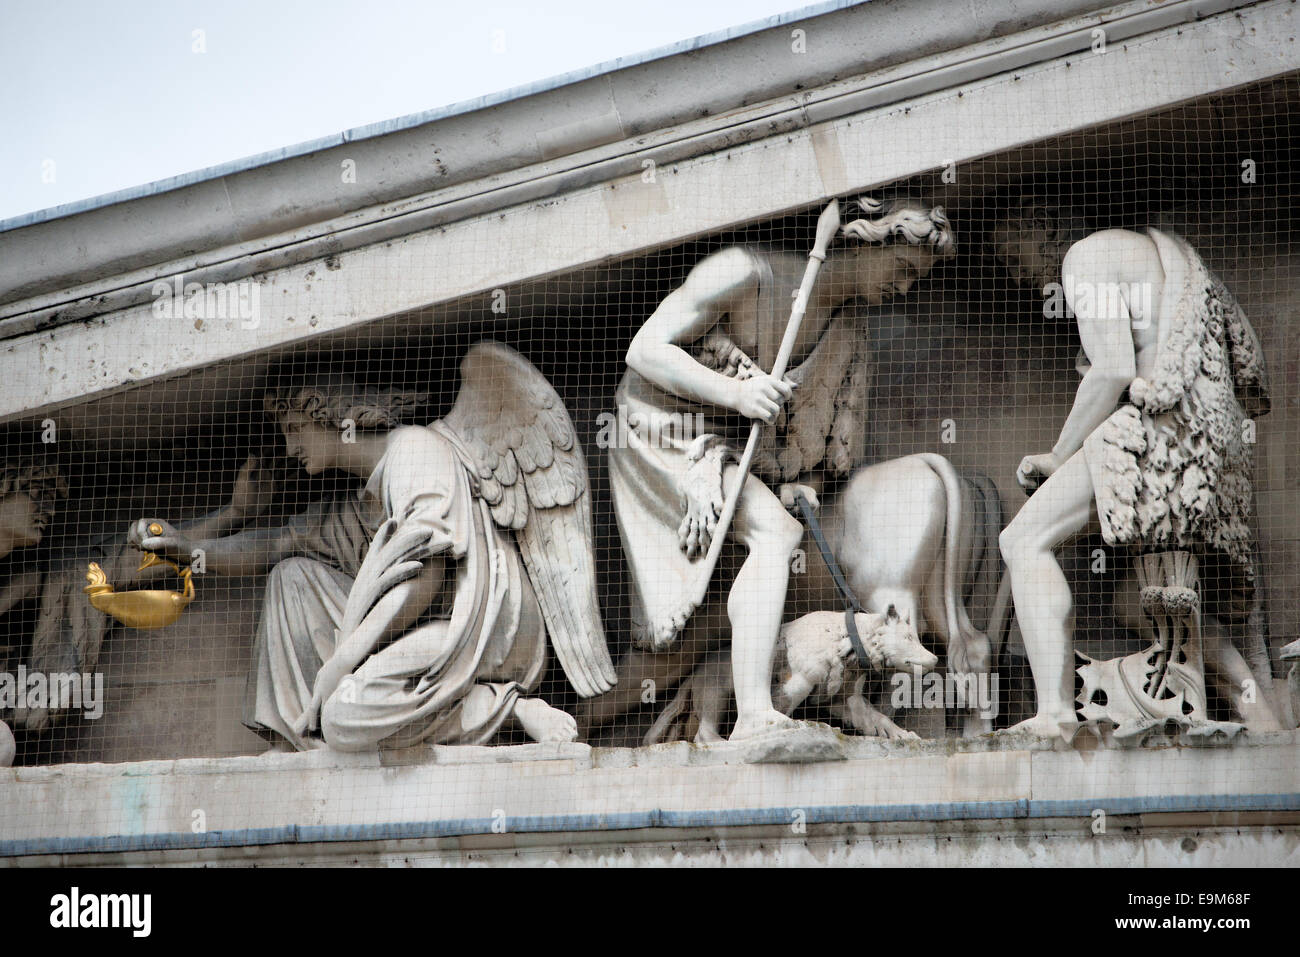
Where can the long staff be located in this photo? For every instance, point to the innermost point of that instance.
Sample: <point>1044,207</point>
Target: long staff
<point>827,223</point>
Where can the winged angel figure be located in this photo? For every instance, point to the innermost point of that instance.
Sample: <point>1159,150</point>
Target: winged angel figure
<point>418,609</point>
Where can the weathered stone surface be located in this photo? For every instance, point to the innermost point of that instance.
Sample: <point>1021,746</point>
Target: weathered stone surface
<point>807,743</point>
<point>6,746</point>
<point>561,796</point>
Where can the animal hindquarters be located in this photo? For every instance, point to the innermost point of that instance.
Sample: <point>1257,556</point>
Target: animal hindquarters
<point>890,523</point>
<point>968,647</point>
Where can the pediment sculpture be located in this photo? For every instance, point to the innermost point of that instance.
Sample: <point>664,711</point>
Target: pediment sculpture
<point>1159,446</point>
<point>421,606</point>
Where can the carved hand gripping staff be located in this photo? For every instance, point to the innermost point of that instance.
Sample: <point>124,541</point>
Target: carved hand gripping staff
<point>827,223</point>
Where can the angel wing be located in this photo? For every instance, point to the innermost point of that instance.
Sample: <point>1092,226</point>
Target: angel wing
<point>532,475</point>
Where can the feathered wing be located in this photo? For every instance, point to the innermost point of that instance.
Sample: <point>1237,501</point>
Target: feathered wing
<point>532,474</point>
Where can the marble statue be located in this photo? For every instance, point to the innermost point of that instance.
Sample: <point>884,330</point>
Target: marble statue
<point>908,535</point>
<point>29,493</point>
<point>69,632</point>
<point>702,359</point>
<point>418,608</point>
<point>1158,446</point>
<point>814,664</point>
<point>1032,238</point>
<point>8,746</point>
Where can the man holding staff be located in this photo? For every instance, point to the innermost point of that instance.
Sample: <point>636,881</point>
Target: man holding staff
<point>708,354</point>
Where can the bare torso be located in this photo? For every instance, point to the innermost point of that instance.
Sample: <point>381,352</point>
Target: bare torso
<point>1124,263</point>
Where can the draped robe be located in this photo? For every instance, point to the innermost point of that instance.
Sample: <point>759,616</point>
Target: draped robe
<point>650,466</point>
<point>453,677</point>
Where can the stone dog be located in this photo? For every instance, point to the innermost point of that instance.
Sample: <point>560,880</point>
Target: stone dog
<point>814,665</point>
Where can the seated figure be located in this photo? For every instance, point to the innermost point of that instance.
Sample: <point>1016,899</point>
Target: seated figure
<point>67,633</point>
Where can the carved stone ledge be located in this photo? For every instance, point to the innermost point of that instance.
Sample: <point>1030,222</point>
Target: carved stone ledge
<point>274,806</point>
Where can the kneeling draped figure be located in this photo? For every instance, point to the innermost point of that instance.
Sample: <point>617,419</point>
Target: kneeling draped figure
<point>417,610</point>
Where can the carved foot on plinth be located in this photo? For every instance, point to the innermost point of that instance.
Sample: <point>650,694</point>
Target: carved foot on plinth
<point>801,742</point>
<point>752,726</point>
<point>545,724</point>
<point>1044,726</point>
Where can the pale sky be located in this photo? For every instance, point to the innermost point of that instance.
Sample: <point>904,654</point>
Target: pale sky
<point>99,96</point>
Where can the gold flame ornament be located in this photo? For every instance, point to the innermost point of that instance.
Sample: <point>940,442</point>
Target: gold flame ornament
<point>144,608</point>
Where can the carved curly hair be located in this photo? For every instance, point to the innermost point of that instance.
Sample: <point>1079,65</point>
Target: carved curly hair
<point>1056,228</point>
<point>900,219</point>
<point>330,399</point>
<point>43,481</point>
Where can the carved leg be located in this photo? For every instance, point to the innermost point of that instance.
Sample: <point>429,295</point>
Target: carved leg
<point>756,603</point>
<point>664,669</point>
<point>7,746</point>
<point>1234,680</point>
<point>710,691</point>
<point>968,651</point>
<point>1291,652</point>
<point>858,713</point>
<point>302,609</point>
<point>1059,508</point>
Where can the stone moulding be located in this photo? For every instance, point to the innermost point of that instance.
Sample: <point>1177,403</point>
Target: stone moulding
<point>440,792</point>
<point>538,140</point>
<point>328,290</point>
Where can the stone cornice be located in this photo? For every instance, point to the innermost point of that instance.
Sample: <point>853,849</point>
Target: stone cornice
<point>429,170</point>
<point>538,221</point>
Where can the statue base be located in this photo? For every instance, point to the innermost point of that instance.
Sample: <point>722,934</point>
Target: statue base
<point>995,800</point>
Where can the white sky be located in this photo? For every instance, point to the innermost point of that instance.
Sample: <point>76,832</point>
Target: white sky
<point>104,95</point>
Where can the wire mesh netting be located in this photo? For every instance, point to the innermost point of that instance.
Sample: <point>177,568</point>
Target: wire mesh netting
<point>397,535</point>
